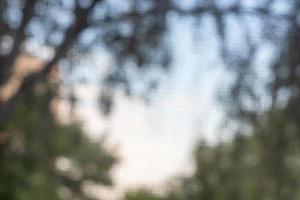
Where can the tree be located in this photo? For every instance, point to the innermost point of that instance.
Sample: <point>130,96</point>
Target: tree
<point>262,164</point>
<point>41,159</point>
<point>133,31</point>
<point>94,18</point>
<point>136,35</point>
<point>261,160</point>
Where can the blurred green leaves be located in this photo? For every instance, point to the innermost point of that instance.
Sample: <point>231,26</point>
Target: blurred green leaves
<point>42,159</point>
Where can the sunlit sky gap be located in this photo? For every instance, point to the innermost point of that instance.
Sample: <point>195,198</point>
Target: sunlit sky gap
<point>183,109</point>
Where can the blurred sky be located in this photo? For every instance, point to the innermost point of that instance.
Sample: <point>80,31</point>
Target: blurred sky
<point>155,141</point>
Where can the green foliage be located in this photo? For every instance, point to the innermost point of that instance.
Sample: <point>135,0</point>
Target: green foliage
<point>40,159</point>
<point>261,165</point>
<point>257,165</point>
<point>143,194</point>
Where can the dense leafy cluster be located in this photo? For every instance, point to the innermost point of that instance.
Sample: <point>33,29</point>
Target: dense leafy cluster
<point>41,159</point>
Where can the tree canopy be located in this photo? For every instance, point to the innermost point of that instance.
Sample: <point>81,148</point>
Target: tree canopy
<point>134,32</point>
<point>42,159</point>
<point>260,162</point>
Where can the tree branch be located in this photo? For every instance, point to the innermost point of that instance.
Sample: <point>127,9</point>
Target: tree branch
<point>70,36</point>
<point>19,37</point>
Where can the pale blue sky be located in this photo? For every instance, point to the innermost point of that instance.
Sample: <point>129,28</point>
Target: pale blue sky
<point>182,110</point>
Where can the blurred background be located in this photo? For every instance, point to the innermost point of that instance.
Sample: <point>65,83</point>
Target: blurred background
<point>149,99</point>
